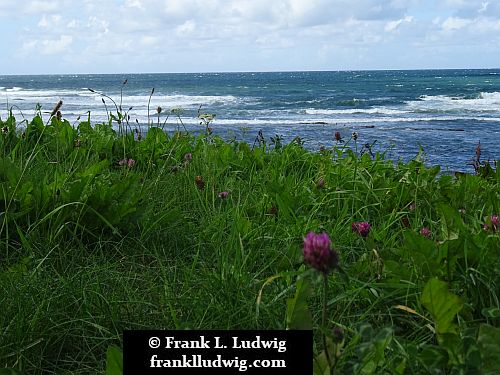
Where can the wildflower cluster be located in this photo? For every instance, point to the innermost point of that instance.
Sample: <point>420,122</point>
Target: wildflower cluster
<point>126,163</point>
<point>493,223</point>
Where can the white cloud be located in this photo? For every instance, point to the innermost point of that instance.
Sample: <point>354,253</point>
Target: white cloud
<point>60,45</point>
<point>149,40</point>
<point>50,21</point>
<point>98,25</point>
<point>393,25</point>
<point>187,28</point>
<point>457,3</point>
<point>274,42</point>
<point>33,7</point>
<point>73,24</point>
<point>38,7</point>
<point>48,46</point>
<point>486,26</point>
<point>484,6</point>
<point>247,33</point>
<point>134,4</point>
<point>455,23</point>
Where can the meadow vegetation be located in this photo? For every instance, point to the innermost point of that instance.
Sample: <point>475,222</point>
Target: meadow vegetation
<point>102,230</point>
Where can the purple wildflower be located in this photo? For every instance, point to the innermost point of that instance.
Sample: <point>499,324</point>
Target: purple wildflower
<point>495,222</point>
<point>126,163</point>
<point>318,252</point>
<point>223,194</point>
<point>338,137</point>
<point>426,232</point>
<point>361,227</point>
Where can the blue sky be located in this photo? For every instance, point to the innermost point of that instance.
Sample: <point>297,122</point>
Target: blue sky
<point>127,36</point>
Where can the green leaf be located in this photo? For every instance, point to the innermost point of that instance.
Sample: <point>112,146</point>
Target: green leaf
<point>298,315</point>
<point>376,355</point>
<point>453,344</point>
<point>114,361</point>
<point>156,135</point>
<point>491,312</point>
<point>9,171</point>
<point>442,305</point>
<point>424,254</point>
<point>489,344</point>
<point>320,364</point>
<point>400,369</point>
<point>433,357</point>
<point>452,222</point>
<point>95,168</point>
<point>370,352</point>
<point>473,358</point>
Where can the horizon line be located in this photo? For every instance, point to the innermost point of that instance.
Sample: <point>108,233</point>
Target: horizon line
<point>250,71</point>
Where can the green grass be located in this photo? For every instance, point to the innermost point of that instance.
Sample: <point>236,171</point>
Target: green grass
<point>89,248</point>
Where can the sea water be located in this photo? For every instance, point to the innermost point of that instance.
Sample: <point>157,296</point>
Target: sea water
<point>446,112</point>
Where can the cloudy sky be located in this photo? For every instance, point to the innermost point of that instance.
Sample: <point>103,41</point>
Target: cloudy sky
<point>126,36</point>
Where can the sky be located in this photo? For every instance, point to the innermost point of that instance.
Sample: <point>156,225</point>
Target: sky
<point>161,36</point>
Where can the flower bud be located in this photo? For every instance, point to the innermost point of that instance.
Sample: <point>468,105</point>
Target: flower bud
<point>199,182</point>
<point>321,183</point>
<point>338,335</point>
<point>361,227</point>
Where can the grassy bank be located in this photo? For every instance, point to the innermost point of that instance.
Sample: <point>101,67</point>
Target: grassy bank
<point>103,231</point>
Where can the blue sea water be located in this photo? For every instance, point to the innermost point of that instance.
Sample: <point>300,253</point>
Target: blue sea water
<point>446,112</point>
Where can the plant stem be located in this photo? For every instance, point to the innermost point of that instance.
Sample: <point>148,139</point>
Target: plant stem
<point>323,319</point>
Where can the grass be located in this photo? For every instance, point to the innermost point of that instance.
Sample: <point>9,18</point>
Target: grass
<point>89,247</point>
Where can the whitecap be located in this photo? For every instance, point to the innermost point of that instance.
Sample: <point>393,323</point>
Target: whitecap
<point>483,102</point>
<point>353,111</point>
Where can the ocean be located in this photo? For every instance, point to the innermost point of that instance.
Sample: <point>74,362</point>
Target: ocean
<point>446,112</point>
